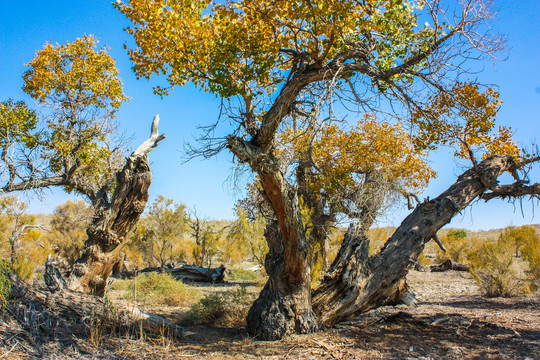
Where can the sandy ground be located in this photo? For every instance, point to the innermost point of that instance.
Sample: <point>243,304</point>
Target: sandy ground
<point>452,321</point>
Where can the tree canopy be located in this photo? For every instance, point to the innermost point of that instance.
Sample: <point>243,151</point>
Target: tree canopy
<point>74,144</point>
<point>292,70</point>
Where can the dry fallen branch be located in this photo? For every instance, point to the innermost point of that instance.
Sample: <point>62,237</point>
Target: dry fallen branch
<point>65,310</point>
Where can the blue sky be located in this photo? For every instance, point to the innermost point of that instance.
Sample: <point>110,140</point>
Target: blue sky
<point>26,25</point>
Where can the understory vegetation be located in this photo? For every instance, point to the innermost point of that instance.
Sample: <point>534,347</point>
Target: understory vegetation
<point>504,262</point>
<point>154,288</point>
<point>227,309</point>
<point>5,284</point>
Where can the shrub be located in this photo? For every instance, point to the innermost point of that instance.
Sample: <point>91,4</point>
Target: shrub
<point>243,274</point>
<point>494,267</point>
<point>528,245</point>
<point>5,283</point>
<point>456,244</point>
<point>162,289</point>
<point>222,309</point>
<point>24,269</point>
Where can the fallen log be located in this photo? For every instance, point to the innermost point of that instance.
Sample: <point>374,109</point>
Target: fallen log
<point>448,265</point>
<point>197,273</point>
<point>186,272</point>
<point>80,307</point>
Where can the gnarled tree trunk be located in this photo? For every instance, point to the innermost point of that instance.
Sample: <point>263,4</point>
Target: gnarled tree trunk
<point>113,220</point>
<point>284,305</point>
<point>357,283</point>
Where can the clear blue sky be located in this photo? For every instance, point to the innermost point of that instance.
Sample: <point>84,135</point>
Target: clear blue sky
<point>26,25</point>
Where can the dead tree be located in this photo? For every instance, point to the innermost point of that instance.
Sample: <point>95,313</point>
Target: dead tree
<point>113,219</point>
<point>114,214</point>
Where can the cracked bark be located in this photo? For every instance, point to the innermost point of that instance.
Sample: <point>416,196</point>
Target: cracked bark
<point>113,220</point>
<point>357,283</point>
<point>284,305</point>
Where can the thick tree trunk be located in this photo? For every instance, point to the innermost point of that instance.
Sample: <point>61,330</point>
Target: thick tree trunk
<point>113,220</point>
<point>283,306</point>
<point>357,283</point>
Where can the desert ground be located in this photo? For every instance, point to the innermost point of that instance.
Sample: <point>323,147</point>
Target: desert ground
<point>451,321</point>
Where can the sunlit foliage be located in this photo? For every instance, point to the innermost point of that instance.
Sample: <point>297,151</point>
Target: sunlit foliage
<point>21,241</point>
<point>245,239</point>
<point>344,156</point>
<point>68,229</point>
<point>73,144</point>
<point>242,47</point>
<point>161,236</point>
<point>464,119</point>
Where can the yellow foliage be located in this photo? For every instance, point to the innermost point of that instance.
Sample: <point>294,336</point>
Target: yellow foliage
<point>245,240</point>
<point>457,245</point>
<point>496,269</point>
<point>241,47</point>
<point>23,245</point>
<point>80,83</point>
<point>74,74</point>
<point>161,235</point>
<point>505,266</point>
<point>370,147</point>
<point>69,223</point>
<point>464,118</point>
<point>378,237</point>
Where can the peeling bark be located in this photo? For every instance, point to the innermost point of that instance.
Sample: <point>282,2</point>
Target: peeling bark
<point>113,220</point>
<point>283,307</point>
<point>357,283</point>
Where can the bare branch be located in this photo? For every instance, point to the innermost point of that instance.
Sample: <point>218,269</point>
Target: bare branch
<point>151,142</point>
<point>438,241</point>
<point>515,190</point>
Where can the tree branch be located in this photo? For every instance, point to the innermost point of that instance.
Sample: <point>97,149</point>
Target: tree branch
<point>517,189</point>
<point>150,143</point>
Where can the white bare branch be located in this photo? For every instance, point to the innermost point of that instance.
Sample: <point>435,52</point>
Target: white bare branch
<point>151,142</point>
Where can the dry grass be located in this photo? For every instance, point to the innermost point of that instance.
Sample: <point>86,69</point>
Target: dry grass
<point>155,289</point>
<point>451,322</point>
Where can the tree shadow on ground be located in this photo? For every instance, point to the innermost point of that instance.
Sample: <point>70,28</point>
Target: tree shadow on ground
<point>479,302</point>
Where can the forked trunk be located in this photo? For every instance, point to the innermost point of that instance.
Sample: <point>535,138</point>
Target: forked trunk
<point>113,220</point>
<point>357,283</point>
<point>283,306</point>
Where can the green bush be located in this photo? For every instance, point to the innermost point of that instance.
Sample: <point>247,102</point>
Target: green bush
<point>243,274</point>
<point>5,283</point>
<point>222,309</point>
<point>162,289</point>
